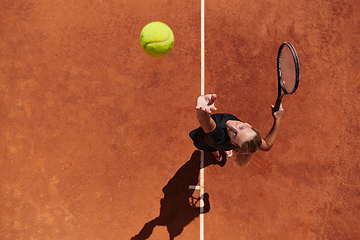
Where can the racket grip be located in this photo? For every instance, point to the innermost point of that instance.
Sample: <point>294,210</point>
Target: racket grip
<point>277,104</point>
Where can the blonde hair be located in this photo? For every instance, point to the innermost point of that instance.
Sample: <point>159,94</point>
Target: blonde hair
<point>245,151</point>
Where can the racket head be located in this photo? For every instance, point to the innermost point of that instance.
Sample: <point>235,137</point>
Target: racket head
<point>288,69</point>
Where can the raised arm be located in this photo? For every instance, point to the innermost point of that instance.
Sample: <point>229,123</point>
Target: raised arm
<point>269,140</point>
<point>205,106</point>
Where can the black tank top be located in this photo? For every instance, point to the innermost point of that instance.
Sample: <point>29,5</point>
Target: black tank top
<point>216,140</point>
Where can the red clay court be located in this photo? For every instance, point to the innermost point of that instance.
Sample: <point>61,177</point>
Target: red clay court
<point>94,132</point>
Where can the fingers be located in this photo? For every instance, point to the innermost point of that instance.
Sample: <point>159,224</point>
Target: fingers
<point>206,109</point>
<point>213,108</point>
<point>205,103</point>
<point>277,114</point>
<point>280,107</point>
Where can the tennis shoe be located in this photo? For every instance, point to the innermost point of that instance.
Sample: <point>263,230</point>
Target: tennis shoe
<point>221,159</point>
<point>229,153</point>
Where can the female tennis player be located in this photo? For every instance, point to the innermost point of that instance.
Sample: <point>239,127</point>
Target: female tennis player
<point>223,133</point>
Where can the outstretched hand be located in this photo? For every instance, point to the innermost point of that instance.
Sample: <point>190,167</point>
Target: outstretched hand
<point>206,104</point>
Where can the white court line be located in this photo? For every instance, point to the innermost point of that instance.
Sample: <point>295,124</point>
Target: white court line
<point>202,175</point>
<point>201,186</point>
<point>194,187</point>
<point>202,47</point>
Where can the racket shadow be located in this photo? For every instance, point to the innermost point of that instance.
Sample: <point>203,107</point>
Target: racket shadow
<point>178,206</point>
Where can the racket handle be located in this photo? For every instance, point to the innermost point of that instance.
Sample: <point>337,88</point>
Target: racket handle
<point>277,104</point>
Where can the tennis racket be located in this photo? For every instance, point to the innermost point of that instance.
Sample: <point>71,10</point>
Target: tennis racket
<point>288,70</point>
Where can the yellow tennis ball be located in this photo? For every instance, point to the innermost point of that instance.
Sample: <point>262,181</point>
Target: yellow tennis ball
<point>157,39</point>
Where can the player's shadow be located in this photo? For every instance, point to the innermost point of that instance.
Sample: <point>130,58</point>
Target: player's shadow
<point>179,207</point>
